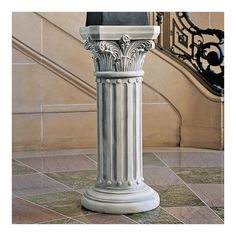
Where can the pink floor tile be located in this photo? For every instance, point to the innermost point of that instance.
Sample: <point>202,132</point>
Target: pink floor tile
<point>211,194</point>
<point>35,184</point>
<point>158,175</point>
<point>24,212</point>
<point>194,215</point>
<point>60,163</point>
<point>192,159</point>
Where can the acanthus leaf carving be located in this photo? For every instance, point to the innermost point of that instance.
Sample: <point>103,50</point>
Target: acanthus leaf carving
<point>120,55</point>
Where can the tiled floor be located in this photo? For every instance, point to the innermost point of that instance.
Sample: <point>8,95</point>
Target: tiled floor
<point>47,187</point>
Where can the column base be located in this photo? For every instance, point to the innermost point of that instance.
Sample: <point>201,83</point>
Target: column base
<point>121,201</point>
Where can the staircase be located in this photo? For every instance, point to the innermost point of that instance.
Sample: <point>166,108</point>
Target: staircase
<point>54,93</point>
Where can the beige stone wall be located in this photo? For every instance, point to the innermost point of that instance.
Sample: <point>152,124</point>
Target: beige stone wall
<point>54,104</point>
<point>204,20</point>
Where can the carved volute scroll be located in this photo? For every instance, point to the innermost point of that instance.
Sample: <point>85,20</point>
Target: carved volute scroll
<point>122,55</point>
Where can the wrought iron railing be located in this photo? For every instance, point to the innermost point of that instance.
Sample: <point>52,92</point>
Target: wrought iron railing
<point>200,49</point>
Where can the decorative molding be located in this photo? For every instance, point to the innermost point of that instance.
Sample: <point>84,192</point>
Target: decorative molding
<point>121,55</point>
<point>120,81</point>
<point>55,68</point>
<point>54,108</point>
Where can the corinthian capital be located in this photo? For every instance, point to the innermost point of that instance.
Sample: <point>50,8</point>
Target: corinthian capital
<point>119,55</point>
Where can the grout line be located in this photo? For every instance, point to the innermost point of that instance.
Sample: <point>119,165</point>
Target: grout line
<point>69,104</point>
<point>89,214</point>
<point>73,190</point>
<point>131,219</point>
<point>63,171</point>
<point>209,16</point>
<point>83,215</point>
<point>49,172</point>
<point>63,152</point>
<point>40,194</point>
<point>170,103</point>
<point>81,191</point>
<point>50,178</point>
<point>40,222</point>
<point>24,63</point>
<point>41,39</point>
<point>32,195</point>
<point>23,166</point>
<point>188,186</point>
<point>24,174</point>
<point>173,149</point>
<point>171,215</point>
<point>155,103</point>
<point>60,171</point>
<point>59,28</point>
<point>76,220</point>
<point>44,207</point>
<point>50,153</point>
<point>68,217</point>
<point>201,214</point>
<point>86,155</point>
<point>64,216</point>
<point>41,126</point>
<point>52,112</point>
<point>56,171</point>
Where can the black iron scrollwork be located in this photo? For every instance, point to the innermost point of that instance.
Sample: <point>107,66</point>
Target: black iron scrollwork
<point>203,48</point>
<point>159,16</point>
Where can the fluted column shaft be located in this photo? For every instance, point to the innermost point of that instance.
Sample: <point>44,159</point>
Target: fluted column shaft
<point>119,131</point>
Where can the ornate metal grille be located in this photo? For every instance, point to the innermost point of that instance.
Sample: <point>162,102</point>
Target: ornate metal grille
<point>202,49</point>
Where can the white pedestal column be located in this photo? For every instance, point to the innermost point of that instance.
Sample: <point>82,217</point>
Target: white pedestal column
<point>118,54</point>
